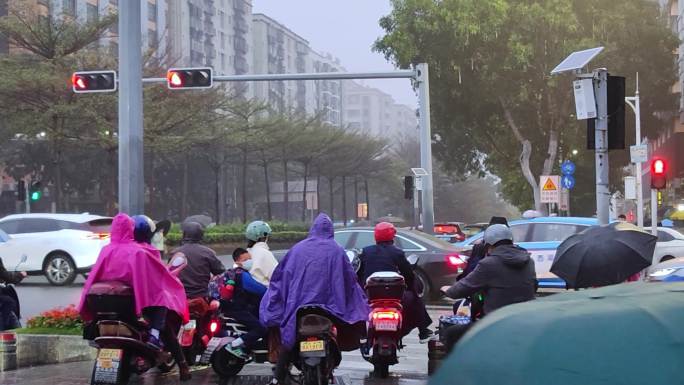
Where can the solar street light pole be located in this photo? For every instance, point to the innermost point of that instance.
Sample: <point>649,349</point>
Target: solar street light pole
<point>601,145</point>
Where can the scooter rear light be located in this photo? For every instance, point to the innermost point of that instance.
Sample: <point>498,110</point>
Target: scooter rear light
<point>386,315</point>
<point>213,327</point>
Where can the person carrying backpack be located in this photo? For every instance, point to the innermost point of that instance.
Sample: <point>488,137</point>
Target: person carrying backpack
<point>240,295</point>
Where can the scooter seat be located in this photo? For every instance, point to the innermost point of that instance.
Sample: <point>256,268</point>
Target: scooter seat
<point>110,288</point>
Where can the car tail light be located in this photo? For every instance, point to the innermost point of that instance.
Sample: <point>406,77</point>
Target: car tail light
<point>98,236</point>
<point>445,229</point>
<point>458,261</point>
<point>213,327</point>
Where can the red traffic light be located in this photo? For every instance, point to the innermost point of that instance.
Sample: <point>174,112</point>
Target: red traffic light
<point>93,81</point>
<point>180,78</point>
<point>658,174</point>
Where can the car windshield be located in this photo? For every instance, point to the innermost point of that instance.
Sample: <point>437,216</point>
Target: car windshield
<point>432,241</point>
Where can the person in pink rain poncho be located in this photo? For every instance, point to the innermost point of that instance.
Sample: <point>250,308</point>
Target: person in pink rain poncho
<point>159,295</point>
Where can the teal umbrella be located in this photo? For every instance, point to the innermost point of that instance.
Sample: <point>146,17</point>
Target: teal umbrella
<point>623,334</point>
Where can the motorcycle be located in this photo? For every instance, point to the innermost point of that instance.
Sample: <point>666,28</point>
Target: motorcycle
<point>385,291</point>
<point>439,348</point>
<point>9,290</point>
<point>120,337</point>
<point>194,336</point>
<point>317,352</point>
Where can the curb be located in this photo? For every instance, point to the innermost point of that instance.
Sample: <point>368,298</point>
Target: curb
<point>25,350</point>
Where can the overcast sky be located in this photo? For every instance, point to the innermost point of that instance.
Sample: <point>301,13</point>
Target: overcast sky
<point>344,28</point>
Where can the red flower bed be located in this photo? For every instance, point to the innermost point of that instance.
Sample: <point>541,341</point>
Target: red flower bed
<point>58,318</point>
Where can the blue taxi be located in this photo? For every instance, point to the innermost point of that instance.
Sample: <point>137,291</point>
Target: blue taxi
<point>541,237</point>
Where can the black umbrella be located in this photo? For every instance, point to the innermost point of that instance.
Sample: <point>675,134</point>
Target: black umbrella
<point>603,255</point>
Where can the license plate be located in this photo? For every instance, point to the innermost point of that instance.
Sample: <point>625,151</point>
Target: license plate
<point>109,354</point>
<point>192,325</point>
<point>311,346</point>
<point>389,326</point>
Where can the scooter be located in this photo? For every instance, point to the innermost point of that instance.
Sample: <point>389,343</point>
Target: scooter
<point>120,337</point>
<point>385,291</point>
<point>195,335</point>
<point>317,352</point>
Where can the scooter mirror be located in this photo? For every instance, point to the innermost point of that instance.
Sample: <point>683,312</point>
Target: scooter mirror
<point>412,259</point>
<point>178,260</point>
<point>351,255</point>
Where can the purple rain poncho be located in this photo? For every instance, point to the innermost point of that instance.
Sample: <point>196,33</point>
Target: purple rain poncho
<point>316,271</point>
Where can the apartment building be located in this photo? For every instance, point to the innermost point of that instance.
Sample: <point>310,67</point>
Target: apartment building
<point>328,94</point>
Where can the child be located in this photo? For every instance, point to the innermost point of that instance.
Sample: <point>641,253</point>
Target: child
<point>240,295</point>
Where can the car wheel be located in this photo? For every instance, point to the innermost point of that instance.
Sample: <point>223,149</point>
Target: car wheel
<point>425,291</point>
<point>666,258</point>
<point>59,269</point>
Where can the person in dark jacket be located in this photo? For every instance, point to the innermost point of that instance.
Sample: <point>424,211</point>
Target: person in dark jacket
<point>478,252</point>
<point>242,302</point>
<point>385,256</point>
<point>9,307</point>
<point>506,274</point>
<point>202,261</point>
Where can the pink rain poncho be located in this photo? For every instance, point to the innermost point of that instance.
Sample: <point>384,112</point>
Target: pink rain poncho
<point>126,261</point>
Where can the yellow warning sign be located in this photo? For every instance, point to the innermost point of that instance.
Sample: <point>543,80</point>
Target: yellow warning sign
<point>549,185</point>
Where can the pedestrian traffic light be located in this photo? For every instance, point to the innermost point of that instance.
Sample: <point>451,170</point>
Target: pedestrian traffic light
<point>21,191</point>
<point>658,174</point>
<point>180,78</point>
<point>36,192</point>
<point>93,81</point>
<point>408,187</point>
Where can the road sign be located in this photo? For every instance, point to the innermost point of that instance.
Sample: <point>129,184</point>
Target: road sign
<point>564,204</point>
<point>638,153</point>
<point>549,186</point>
<point>568,168</point>
<point>568,182</point>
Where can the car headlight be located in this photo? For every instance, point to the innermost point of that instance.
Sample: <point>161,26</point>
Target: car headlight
<point>662,272</point>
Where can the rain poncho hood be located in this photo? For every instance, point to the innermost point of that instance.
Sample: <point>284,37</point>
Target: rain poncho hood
<point>316,271</point>
<point>512,255</point>
<point>128,262</point>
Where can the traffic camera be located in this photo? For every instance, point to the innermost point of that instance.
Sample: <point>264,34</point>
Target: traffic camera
<point>181,78</point>
<point>658,174</point>
<point>93,81</point>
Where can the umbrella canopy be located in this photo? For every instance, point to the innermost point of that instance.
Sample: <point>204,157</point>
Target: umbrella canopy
<point>203,220</point>
<point>603,255</point>
<point>623,334</point>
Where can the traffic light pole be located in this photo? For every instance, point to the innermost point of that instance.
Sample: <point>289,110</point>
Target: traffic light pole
<point>27,197</point>
<point>634,103</point>
<point>131,182</point>
<point>601,140</point>
<point>654,212</point>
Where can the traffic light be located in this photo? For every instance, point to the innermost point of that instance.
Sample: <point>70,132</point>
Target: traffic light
<point>36,192</point>
<point>93,81</point>
<point>408,187</point>
<point>21,191</point>
<point>658,174</point>
<point>181,78</point>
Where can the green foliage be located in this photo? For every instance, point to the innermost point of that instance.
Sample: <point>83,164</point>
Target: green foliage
<point>492,92</point>
<point>51,331</point>
<point>59,318</point>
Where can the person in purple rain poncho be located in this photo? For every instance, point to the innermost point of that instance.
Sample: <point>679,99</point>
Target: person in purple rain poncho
<point>316,271</point>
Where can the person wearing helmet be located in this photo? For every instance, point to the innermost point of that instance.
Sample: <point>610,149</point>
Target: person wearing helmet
<point>143,231</point>
<point>506,274</point>
<point>202,262</point>
<point>264,262</point>
<point>385,256</point>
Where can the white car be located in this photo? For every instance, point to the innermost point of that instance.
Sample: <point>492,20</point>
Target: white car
<point>670,245</point>
<point>59,246</point>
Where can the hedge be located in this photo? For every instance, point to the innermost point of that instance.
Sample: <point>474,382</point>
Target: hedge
<point>235,228</point>
<point>174,238</point>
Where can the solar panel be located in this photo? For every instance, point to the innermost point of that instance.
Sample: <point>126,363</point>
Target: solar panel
<point>419,172</point>
<point>577,60</point>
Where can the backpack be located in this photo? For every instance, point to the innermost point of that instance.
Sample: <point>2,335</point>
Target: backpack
<point>224,286</point>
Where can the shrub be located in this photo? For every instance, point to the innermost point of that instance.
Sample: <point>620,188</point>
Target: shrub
<point>58,318</point>
<point>225,237</point>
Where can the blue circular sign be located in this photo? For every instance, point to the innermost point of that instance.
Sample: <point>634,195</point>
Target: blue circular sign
<point>568,182</point>
<point>568,168</point>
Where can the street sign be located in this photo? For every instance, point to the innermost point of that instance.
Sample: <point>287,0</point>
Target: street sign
<point>564,204</point>
<point>638,153</point>
<point>568,168</point>
<point>549,186</point>
<point>568,182</point>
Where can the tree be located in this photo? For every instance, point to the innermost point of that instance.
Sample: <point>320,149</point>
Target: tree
<point>493,97</point>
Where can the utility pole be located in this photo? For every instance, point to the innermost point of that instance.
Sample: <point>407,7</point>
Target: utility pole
<point>634,103</point>
<point>131,181</point>
<point>423,79</point>
<point>601,135</point>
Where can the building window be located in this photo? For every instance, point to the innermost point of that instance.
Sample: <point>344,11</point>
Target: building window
<point>152,12</point>
<point>92,13</point>
<point>223,61</point>
<point>223,40</point>
<point>222,19</point>
<point>69,7</point>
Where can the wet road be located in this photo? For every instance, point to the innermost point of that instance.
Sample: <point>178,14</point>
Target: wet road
<point>412,369</point>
